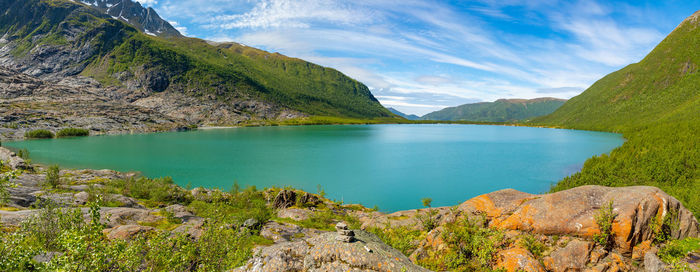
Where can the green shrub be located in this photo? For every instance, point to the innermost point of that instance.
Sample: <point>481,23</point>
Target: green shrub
<point>532,244</point>
<point>429,219</point>
<point>53,180</point>
<point>6,177</point>
<point>38,134</point>
<point>470,247</point>
<point>403,238</point>
<point>604,218</point>
<point>675,250</point>
<point>153,192</point>
<point>72,132</point>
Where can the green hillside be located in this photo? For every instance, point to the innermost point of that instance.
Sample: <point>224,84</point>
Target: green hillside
<point>656,105</point>
<point>502,110</point>
<point>117,54</point>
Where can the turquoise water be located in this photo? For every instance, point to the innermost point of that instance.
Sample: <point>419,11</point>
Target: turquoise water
<point>392,166</point>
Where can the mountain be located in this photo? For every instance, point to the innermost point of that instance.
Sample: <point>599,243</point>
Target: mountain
<point>407,116</point>
<point>183,78</point>
<point>655,104</point>
<point>502,110</point>
<point>144,19</point>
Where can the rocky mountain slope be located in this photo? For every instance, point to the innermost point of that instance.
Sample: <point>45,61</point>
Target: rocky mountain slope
<point>502,110</point>
<point>144,19</point>
<point>182,78</point>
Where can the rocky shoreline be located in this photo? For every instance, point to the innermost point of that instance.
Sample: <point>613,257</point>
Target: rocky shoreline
<point>563,223</point>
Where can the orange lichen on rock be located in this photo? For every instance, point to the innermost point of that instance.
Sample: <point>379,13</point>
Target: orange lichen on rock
<point>518,259</point>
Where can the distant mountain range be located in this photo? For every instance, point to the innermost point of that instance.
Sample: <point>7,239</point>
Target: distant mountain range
<point>502,110</point>
<point>407,116</point>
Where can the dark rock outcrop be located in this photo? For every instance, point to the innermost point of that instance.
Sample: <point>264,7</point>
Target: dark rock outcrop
<point>144,19</point>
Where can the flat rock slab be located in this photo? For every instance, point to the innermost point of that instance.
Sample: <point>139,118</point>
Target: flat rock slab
<point>324,253</point>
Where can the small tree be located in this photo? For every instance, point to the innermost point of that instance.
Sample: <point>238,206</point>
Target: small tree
<point>604,218</point>
<point>52,176</point>
<point>428,220</point>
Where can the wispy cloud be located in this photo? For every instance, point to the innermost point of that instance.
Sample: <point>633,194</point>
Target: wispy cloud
<point>419,55</point>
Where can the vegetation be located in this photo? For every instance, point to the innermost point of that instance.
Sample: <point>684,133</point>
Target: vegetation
<point>53,179</point>
<point>676,250</point>
<point>604,218</point>
<point>428,220</point>
<point>655,104</point>
<point>502,110</point>
<point>403,238</point>
<point>532,244</point>
<point>83,247</point>
<point>471,247</point>
<point>38,134</point>
<point>6,177</point>
<point>72,132</point>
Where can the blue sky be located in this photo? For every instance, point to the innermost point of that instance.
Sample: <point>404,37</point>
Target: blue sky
<point>419,56</point>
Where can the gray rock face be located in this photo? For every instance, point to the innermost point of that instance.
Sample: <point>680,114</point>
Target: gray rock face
<point>652,263</point>
<point>325,253</point>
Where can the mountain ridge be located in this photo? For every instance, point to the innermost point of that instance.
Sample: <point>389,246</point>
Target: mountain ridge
<point>184,78</point>
<point>144,19</point>
<point>406,116</point>
<point>501,110</point>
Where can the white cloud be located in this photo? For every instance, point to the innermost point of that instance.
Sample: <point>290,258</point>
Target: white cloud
<point>182,29</point>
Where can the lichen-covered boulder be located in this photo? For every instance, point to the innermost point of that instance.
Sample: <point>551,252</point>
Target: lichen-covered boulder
<point>518,259</point>
<point>571,212</point>
<point>573,257</point>
<point>325,253</point>
<point>126,232</point>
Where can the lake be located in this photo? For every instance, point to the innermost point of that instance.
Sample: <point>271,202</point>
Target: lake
<point>391,166</point>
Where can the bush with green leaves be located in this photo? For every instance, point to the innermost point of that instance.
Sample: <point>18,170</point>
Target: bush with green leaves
<point>153,192</point>
<point>53,178</point>
<point>38,134</point>
<point>402,238</point>
<point>673,251</point>
<point>428,220</point>
<point>532,244</point>
<point>72,132</point>
<point>6,177</point>
<point>604,218</point>
<point>471,246</point>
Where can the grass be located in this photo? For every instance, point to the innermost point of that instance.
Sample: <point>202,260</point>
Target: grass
<point>676,250</point>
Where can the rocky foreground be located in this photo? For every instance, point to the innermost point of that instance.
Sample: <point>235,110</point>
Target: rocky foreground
<point>519,231</point>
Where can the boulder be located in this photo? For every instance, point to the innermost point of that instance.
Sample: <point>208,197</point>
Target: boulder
<point>126,232</point>
<point>518,259</point>
<point>324,253</point>
<point>294,214</point>
<point>284,232</point>
<point>284,199</point>
<point>573,257</point>
<point>180,211</point>
<point>572,212</point>
<point>128,216</point>
<point>652,263</point>
<point>81,198</point>
<point>251,224</point>
<point>192,228</point>
<point>11,159</point>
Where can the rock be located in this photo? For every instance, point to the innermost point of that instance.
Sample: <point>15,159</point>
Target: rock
<point>192,228</point>
<point>573,257</point>
<point>307,199</point>
<point>571,212</point>
<point>344,234</point>
<point>126,232</point>
<point>652,263</point>
<point>640,250</point>
<point>179,211</point>
<point>518,259</point>
<point>284,199</point>
<point>295,214</point>
<point>285,232</point>
<point>15,218</point>
<point>125,201</point>
<point>324,253</point>
<point>128,216</point>
<point>46,256</point>
<point>81,198</point>
<point>251,224</point>
<point>13,160</point>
